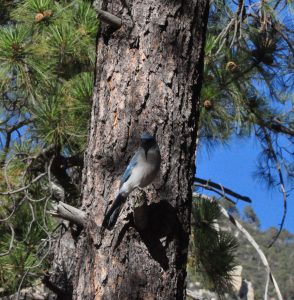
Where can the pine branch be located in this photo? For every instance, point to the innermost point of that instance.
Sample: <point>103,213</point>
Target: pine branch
<point>24,187</point>
<point>210,183</point>
<point>18,125</point>
<point>240,75</point>
<point>277,127</point>
<point>9,131</point>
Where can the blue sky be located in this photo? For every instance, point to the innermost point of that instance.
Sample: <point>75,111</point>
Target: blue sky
<point>233,166</point>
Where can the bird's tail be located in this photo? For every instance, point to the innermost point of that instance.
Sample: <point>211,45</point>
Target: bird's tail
<point>113,212</point>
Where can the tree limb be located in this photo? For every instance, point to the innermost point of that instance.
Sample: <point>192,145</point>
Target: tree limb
<point>278,127</point>
<point>80,218</point>
<point>222,194</point>
<point>210,183</point>
<point>19,125</point>
<point>70,213</point>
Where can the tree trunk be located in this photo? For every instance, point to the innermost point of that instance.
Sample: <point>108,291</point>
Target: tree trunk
<point>148,78</point>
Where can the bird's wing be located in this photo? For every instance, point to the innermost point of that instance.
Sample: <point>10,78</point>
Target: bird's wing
<point>129,169</point>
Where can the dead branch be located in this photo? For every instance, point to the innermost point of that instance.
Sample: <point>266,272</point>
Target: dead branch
<point>207,187</point>
<point>57,191</point>
<point>218,186</point>
<point>70,213</point>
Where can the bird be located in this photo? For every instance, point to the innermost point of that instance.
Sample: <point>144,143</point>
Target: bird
<point>140,172</point>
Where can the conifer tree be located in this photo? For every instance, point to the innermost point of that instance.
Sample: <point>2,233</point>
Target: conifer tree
<point>47,54</point>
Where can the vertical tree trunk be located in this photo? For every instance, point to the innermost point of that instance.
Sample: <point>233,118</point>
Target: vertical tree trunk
<point>148,78</point>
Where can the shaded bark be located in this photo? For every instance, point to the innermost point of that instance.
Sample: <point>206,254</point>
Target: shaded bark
<point>148,78</point>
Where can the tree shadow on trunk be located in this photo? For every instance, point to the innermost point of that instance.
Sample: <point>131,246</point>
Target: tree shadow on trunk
<point>162,226</point>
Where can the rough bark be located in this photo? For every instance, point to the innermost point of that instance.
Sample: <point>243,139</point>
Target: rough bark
<point>148,78</point>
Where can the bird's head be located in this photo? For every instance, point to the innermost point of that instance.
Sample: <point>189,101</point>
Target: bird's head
<point>147,141</point>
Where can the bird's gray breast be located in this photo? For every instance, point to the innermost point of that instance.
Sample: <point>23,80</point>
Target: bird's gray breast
<point>150,167</point>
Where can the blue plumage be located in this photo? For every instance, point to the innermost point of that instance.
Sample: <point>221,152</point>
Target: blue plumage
<point>129,169</point>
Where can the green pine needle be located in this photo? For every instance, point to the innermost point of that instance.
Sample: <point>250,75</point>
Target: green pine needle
<point>212,250</point>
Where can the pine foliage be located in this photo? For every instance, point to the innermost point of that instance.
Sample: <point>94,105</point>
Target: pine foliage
<point>248,75</point>
<point>47,56</point>
<point>212,250</point>
<point>248,85</point>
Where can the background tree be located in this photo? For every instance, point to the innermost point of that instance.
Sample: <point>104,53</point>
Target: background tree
<point>250,216</point>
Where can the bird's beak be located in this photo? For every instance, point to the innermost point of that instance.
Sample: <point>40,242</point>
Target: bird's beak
<point>146,151</point>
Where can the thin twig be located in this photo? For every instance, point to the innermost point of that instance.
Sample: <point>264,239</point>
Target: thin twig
<point>11,241</point>
<point>281,183</point>
<point>25,187</point>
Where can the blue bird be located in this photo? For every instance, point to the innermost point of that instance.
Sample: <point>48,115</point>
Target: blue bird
<point>140,172</point>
